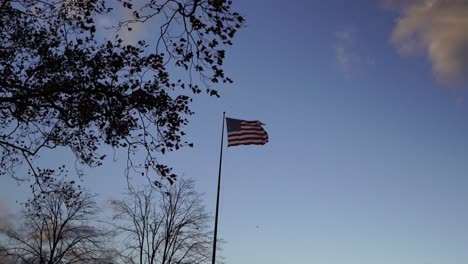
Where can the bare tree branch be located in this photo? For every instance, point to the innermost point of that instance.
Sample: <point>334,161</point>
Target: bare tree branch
<point>58,228</point>
<point>166,225</point>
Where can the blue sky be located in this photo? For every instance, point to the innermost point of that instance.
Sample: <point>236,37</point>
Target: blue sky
<point>367,156</point>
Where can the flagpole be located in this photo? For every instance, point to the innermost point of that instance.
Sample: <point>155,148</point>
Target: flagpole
<point>213,260</point>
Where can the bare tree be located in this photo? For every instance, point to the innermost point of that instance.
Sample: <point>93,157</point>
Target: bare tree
<point>166,225</point>
<point>57,227</point>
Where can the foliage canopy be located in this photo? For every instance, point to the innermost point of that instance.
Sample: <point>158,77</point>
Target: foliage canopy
<point>63,86</point>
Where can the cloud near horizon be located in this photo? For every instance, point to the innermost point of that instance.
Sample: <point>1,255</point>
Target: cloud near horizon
<point>437,29</point>
<point>6,216</point>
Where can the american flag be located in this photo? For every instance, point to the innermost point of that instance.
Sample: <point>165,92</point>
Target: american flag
<point>242,132</point>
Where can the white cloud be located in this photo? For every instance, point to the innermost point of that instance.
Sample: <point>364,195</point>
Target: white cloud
<point>347,55</point>
<point>437,29</point>
<point>342,56</point>
<point>107,26</point>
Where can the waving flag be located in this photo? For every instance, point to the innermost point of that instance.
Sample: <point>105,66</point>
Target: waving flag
<point>242,132</point>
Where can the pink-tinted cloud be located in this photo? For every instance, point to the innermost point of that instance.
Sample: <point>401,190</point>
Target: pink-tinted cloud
<point>436,29</point>
<point>6,216</point>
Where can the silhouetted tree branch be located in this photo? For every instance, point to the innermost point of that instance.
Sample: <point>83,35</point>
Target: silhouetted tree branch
<point>61,87</point>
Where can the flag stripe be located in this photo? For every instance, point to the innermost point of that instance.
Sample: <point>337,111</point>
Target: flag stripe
<point>251,127</point>
<point>241,133</point>
<point>252,142</point>
<point>251,122</point>
<point>249,142</point>
<point>247,137</point>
